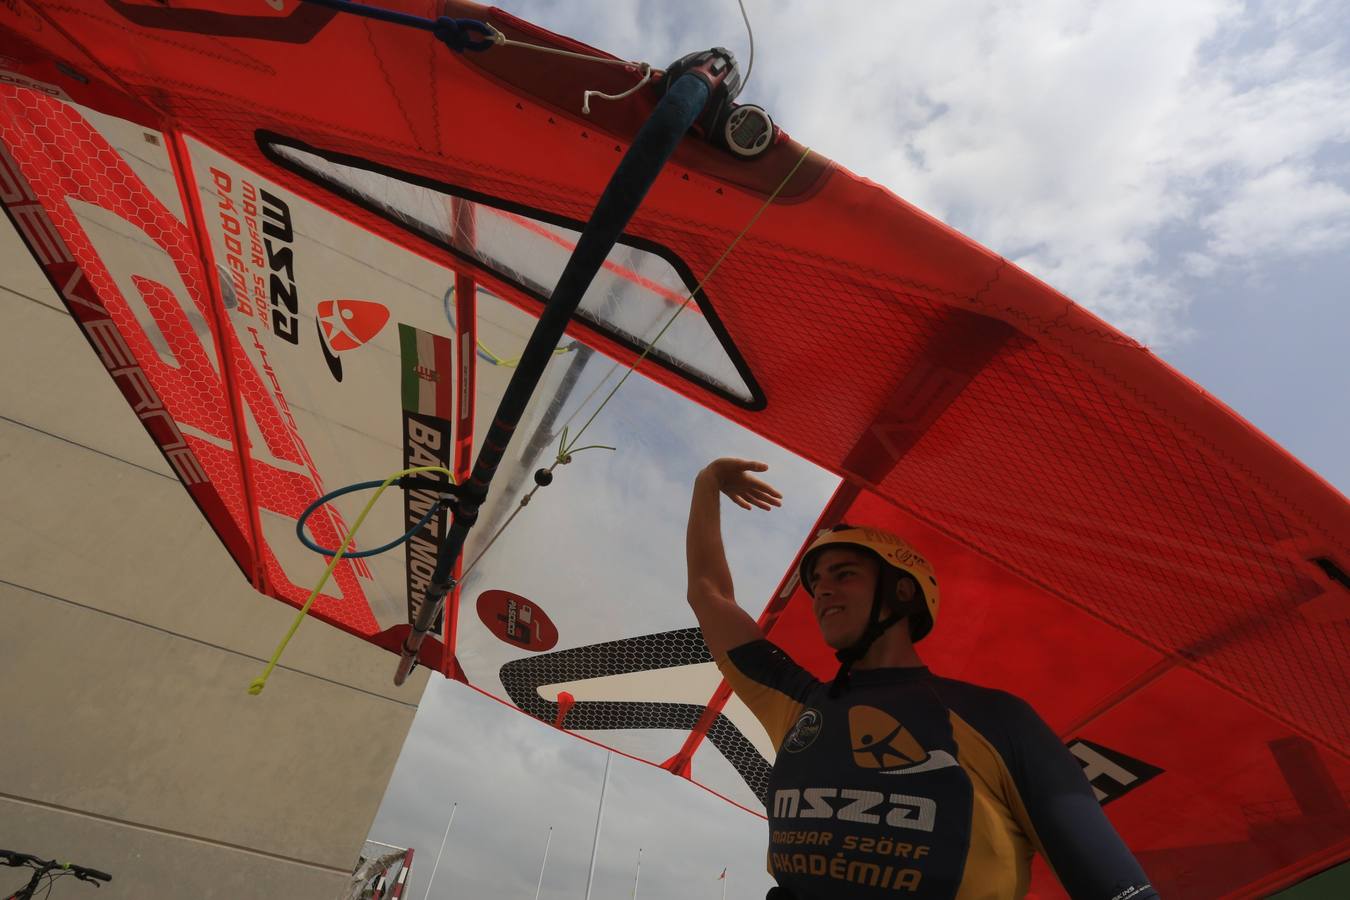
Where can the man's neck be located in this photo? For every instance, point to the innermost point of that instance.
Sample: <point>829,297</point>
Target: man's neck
<point>893,649</point>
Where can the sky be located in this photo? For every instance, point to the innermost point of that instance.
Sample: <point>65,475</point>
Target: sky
<point>1181,169</point>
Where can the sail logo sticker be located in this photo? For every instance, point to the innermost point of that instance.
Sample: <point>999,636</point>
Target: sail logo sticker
<point>51,90</point>
<point>879,741</point>
<point>516,621</point>
<point>1111,773</point>
<point>345,325</point>
<point>278,234</point>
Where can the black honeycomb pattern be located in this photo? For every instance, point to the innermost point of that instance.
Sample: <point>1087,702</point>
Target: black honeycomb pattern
<point>522,679</point>
<point>742,755</point>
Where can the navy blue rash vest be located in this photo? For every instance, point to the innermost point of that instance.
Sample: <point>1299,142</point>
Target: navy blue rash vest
<point>913,785</point>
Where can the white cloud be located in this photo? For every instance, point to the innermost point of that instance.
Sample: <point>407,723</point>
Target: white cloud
<point>1200,265</point>
<point>1036,129</point>
<point>1284,210</point>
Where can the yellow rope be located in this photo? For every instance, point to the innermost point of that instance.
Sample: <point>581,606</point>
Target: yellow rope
<point>512,363</point>
<point>256,686</point>
<point>483,348</point>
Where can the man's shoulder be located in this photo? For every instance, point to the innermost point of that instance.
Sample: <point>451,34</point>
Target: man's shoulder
<point>992,711</point>
<point>766,662</point>
<point>985,696</point>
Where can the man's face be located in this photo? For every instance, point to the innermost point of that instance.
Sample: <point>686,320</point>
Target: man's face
<point>844,581</point>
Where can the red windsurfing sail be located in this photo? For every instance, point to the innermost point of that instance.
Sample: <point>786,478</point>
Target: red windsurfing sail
<point>1165,584</point>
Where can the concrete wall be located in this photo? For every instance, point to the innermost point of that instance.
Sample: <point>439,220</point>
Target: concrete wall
<point>128,638</point>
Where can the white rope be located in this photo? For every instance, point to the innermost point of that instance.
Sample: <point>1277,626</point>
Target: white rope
<point>586,96</point>
<point>503,41</point>
<point>751,67</point>
<point>646,69</point>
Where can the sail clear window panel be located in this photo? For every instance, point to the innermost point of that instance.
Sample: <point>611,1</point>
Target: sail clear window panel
<point>634,297</point>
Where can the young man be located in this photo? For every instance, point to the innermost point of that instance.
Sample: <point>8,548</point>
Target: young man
<point>890,780</point>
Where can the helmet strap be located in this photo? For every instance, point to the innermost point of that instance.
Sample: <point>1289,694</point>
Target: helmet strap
<point>876,627</point>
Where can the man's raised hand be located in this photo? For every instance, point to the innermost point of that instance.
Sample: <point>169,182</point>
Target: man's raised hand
<point>733,478</point>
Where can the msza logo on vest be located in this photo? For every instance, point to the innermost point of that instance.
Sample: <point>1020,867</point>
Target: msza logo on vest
<point>901,810</point>
<point>879,742</point>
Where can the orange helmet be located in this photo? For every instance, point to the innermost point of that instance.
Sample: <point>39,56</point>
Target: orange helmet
<point>894,554</point>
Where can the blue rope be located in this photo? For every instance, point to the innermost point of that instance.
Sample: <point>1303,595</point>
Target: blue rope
<point>454,33</point>
<point>349,489</point>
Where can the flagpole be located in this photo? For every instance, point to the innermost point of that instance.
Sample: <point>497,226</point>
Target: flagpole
<point>599,815</point>
<point>636,875</point>
<point>543,863</point>
<point>437,864</point>
<point>724,884</point>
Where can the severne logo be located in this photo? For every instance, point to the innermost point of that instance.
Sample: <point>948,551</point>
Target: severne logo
<point>344,325</point>
<point>150,299</point>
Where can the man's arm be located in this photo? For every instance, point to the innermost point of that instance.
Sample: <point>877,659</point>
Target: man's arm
<point>711,594</point>
<point>1079,841</point>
